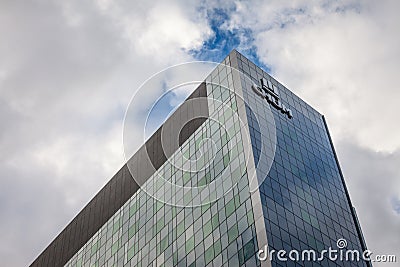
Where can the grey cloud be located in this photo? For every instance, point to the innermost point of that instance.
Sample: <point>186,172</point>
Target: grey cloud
<point>373,180</point>
<point>67,72</point>
<point>33,211</point>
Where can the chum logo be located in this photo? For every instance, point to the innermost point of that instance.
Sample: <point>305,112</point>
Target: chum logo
<point>271,94</point>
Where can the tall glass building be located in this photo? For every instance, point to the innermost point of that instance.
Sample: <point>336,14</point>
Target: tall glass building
<point>252,166</point>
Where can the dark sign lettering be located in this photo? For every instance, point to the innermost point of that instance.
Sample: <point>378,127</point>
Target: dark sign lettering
<point>269,92</point>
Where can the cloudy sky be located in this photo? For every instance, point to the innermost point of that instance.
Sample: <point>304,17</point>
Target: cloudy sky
<point>69,68</point>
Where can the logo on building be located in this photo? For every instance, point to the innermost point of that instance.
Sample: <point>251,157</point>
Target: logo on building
<point>270,93</point>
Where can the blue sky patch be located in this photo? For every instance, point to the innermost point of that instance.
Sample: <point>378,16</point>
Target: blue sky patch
<point>396,204</point>
<point>224,40</point>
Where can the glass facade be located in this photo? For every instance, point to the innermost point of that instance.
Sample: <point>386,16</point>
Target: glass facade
<point>304,200</point>
<point>147,232</point>
<point>301,202</point>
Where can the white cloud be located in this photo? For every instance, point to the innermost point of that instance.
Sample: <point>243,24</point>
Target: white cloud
<point>165,29</point>
<point>347,55</point>
<point>167,26</point>
<point>340,57</point>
